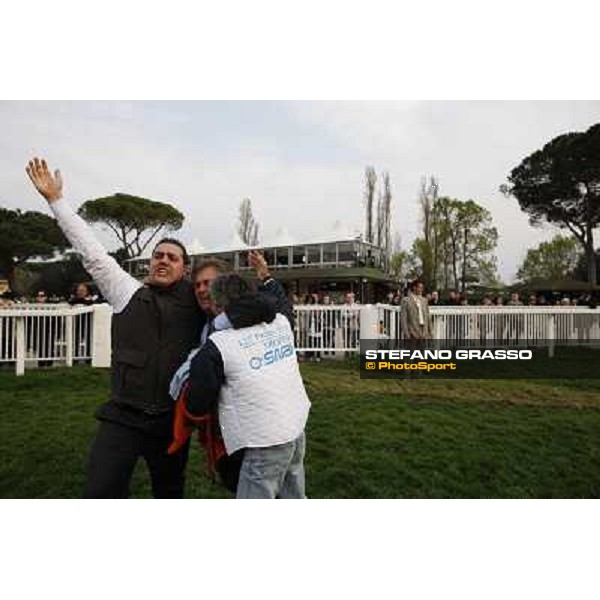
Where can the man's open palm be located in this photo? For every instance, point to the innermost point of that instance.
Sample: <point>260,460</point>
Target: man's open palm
<point>48,185</point>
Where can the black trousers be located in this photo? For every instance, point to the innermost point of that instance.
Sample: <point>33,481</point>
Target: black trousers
<point>114,454</point>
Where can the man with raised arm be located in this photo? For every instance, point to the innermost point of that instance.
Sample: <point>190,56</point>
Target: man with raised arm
<point>154,327</point>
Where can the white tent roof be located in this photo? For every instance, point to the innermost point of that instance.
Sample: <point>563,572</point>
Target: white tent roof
<point>195,247</point>
<point>282,238</point>
<point>339,232</point>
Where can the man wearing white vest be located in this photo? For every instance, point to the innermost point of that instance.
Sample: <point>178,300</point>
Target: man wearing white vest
<point>249,368</point>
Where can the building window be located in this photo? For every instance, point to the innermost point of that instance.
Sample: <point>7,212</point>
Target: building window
<point>313,254</point>
<point>299,256</point>
<point>329,254</point>
<point>242,258</point>
<point>282,257</point>
<point>269,255</point>
<point>139,268</point>
<point>346,254</point>
<point>228,257</point>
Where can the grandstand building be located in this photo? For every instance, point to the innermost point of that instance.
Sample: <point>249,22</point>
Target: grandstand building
<point>333,266</point>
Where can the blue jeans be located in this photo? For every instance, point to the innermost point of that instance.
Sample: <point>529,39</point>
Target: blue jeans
<point>273,472</point>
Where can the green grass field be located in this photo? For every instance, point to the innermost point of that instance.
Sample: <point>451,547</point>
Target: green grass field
<point>365,438</point>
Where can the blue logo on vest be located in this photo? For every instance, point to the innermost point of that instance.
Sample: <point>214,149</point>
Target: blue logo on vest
<point>271,356</point>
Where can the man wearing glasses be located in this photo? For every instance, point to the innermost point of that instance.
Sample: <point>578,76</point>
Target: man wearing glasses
<point>154,327</point>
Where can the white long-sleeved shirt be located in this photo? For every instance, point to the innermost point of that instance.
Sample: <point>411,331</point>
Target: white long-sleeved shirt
<point>117,286</point>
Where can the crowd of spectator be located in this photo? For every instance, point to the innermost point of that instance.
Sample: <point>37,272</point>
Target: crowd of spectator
<point>81,294</point>
<point>43,335</point>
<point>455,298</point>
<point>515,299</point>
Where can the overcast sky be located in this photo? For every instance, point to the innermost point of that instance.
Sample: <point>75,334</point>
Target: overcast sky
<point>301,163</point>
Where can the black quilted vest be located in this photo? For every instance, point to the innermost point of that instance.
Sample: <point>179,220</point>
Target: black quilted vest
<point>150,340</point>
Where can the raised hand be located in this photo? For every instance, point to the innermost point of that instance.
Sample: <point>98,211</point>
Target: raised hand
<point>257,261</point>
<point>48,185</point>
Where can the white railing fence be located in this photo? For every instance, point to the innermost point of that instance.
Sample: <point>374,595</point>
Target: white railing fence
<point>327,328</point>
<point>45,335</point>
<point>333,328</point>
<point>34,335</point>
<point>517,323</point>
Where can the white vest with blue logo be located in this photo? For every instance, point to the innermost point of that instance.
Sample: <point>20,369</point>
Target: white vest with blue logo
<point>263,401</point>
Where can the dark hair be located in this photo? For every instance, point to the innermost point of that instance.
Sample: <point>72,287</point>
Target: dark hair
<point>175,242</point>
<point>220,265</point>
<point>415,283</point>
<point>228,287</point>
<point>76,287</point>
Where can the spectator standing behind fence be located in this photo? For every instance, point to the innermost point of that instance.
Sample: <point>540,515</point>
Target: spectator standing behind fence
<point>484,321</point>
<point>41,332</point>
<point>349,321</point>
<point>453,298</point>
<point>315,329</point>
<point>83,323</point>
<point>154,326</point>
<point>81,296</point>
<point>500,324</point>
<point>330,324</point>
<point>414,314</point>
<point>514,300</point>
<point>397,299</point>
<point>516,322</point>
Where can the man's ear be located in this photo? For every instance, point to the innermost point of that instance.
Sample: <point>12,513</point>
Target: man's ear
<point>187,270</point>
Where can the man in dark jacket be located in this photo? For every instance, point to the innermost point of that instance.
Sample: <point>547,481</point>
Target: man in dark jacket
<point>154,327</point>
